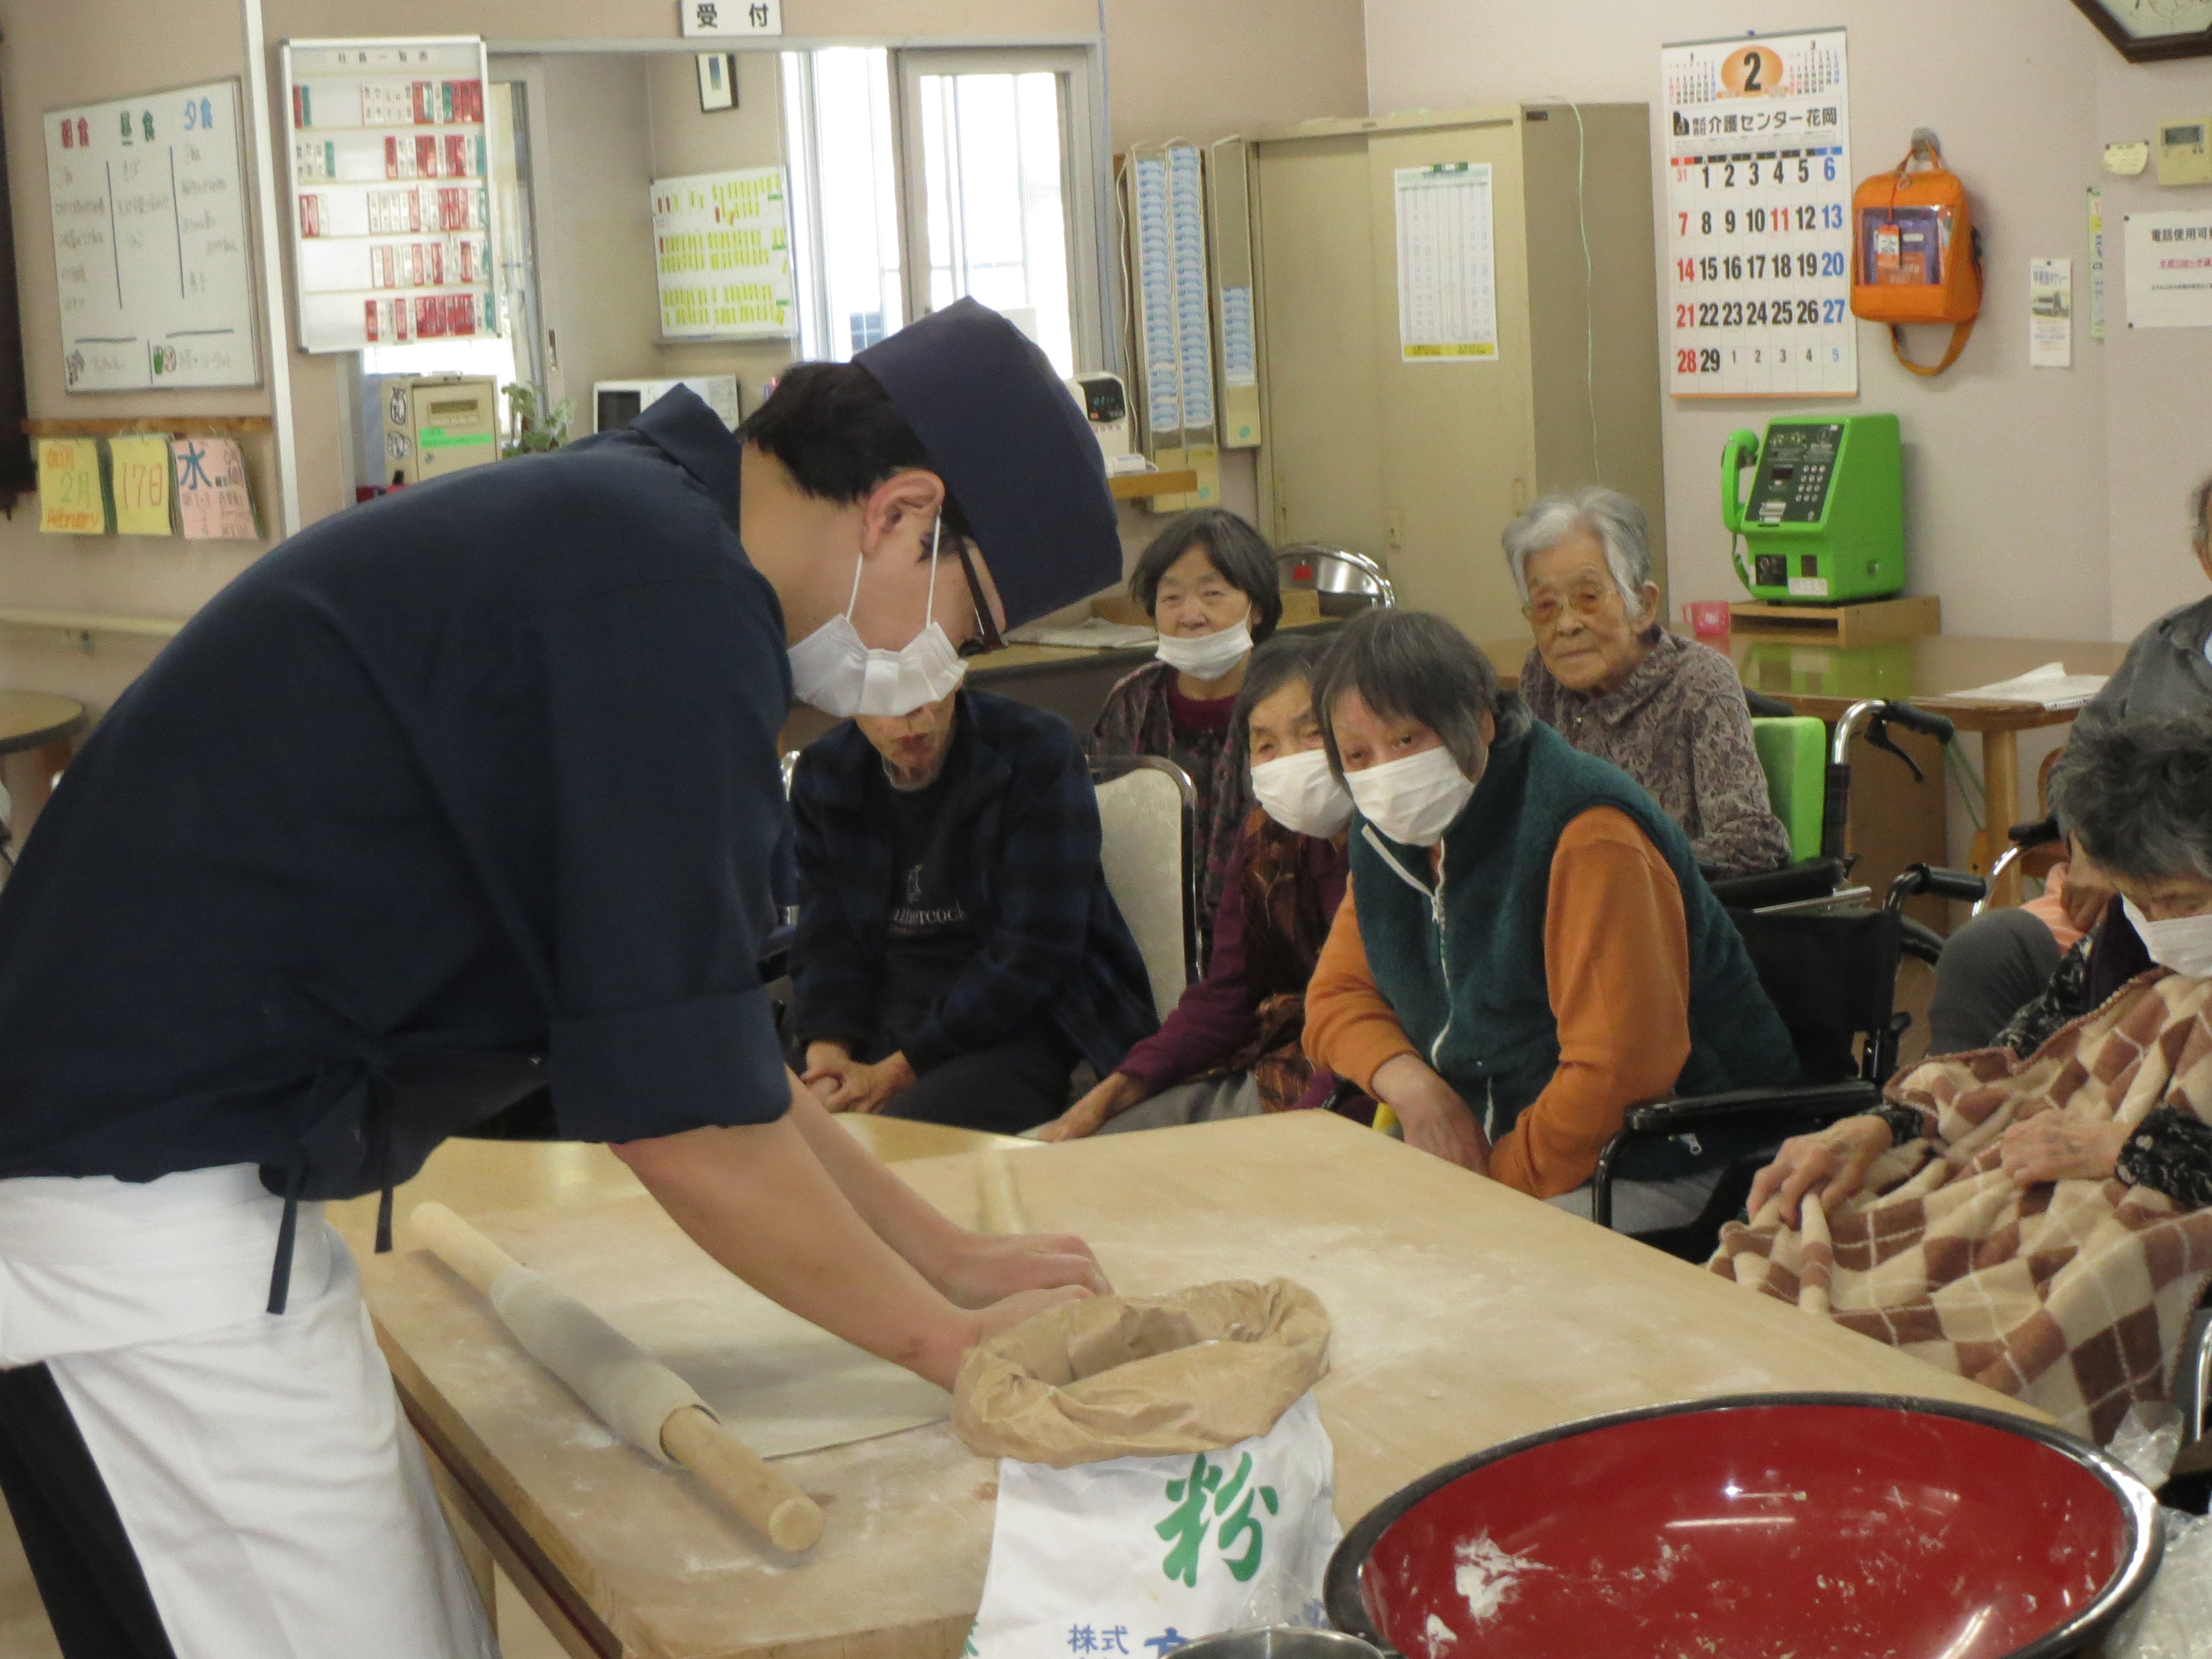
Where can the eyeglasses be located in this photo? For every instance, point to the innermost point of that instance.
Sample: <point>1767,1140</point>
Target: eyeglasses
<point>987,636</point>
<point>1587,600</point>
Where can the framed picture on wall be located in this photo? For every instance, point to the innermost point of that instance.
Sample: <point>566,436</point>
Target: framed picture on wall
<point>718,80</point>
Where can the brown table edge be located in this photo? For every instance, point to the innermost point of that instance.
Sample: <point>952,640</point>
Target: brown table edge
<point>45,736</point>
<point>564,1607</point>
<point>181,426</point>
<point>551,1593</point>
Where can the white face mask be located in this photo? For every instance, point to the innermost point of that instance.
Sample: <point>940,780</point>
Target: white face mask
<point>1413,800</point>
<point>1301,793</point>
<point>833,670</point>
<point>1207,656</point>
<point>2184,943</point>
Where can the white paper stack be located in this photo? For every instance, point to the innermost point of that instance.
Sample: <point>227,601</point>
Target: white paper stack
<point>2050,686</point>
<point>1094,633</point>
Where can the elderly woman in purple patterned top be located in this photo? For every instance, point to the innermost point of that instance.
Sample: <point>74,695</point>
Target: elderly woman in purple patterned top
<point>1668,711</point>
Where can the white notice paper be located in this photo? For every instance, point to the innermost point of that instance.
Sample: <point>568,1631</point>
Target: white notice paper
<point>1447,279</point>
<point>2169,275</point>
<point>2050,313</point>
<point>2050,687</point>
<point>721,246</point>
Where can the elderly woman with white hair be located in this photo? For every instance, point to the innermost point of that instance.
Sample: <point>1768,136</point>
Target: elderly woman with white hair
<point>2039,1219</point>
<point>1616,683</point>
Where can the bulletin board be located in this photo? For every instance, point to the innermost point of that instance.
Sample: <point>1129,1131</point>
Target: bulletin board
<point>150,247</point>
<point>1758,196</point>
<point>392,228</point>
<point>721,252</point>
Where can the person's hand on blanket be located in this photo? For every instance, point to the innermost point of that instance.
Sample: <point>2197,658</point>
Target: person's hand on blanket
<point>2051,1146</point>
<point>1839,1156</point>
<point>1435,1119</point>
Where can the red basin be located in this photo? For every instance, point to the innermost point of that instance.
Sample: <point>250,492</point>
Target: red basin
<point>1763,1527</point>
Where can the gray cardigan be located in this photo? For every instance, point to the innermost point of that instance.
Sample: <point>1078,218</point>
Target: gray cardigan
<point>1679,726</point>
<point>2166,671</point>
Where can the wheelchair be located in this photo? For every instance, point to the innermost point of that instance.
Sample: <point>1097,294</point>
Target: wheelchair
<point>1828,960</point>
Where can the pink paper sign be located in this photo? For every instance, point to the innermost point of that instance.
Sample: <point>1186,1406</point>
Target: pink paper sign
<point>214,502</point>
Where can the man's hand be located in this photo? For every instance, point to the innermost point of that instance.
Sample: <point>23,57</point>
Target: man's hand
<point>1114,1095</point>
<point>2051,1146</point>
<point>845,1084</point>
<point>1435,1119</point>
<point>2086,891</point>
<point>980,1268</point>
<point>1840,1154</point>
<point>988,1323</point>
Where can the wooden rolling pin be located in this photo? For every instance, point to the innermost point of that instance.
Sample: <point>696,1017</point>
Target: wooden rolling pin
<point>634,1394</point>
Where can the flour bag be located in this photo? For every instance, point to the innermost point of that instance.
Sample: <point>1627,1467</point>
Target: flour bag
<point>1163,1474</point>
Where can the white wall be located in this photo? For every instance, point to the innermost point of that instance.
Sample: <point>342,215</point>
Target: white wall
<point>2158,438</point>
<point>2040,504</point>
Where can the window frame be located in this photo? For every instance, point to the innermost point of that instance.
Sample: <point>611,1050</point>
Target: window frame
<point>1085,189</point>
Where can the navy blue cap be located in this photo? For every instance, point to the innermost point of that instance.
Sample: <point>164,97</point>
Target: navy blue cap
<point>1012,447</point>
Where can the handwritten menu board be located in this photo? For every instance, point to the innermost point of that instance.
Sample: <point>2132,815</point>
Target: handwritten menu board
<point>1759,195</point>
<point>391,219</point>
<point>150,241</point>
<point>721,249</point>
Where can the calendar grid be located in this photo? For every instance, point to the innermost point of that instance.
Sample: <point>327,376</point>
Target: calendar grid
<point>1759,215</point>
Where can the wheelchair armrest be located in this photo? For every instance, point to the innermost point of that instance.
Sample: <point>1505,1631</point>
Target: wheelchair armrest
<point>1807,878</point>
<point>1783,1104</point>
<point>1810,1101</point>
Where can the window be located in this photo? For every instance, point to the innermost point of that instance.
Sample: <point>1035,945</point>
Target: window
<point>844,198</point>
<point>920,177</point>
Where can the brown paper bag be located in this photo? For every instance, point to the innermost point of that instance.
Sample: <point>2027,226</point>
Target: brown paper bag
<point>1143,1376</point>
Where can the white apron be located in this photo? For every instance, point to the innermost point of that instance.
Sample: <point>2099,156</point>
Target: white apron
<point>277,1499</point>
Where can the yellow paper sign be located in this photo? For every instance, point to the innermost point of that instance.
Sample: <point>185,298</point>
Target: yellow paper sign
<point>139,471</point>
<point>70,500</point>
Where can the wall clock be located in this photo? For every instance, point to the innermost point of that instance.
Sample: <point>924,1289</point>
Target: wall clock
<point>2145,31</point>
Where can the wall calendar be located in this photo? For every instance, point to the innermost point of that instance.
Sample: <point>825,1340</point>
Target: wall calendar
<point>1758,196</point>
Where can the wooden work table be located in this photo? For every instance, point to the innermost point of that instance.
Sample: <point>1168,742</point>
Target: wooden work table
<point>1465,1315</point>
<point>1823,680</point>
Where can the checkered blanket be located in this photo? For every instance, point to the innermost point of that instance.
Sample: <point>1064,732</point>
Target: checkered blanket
<point>2072,1294</point>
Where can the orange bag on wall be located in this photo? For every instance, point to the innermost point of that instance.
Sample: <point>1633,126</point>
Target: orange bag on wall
<point>1915,256</point>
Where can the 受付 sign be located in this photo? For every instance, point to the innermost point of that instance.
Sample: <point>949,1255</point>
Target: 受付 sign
<point>714,19</point>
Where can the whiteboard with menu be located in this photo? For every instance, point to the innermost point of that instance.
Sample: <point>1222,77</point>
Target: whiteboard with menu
<point>150,242</point>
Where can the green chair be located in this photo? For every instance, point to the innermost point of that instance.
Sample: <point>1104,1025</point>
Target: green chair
<point>1793,753</point>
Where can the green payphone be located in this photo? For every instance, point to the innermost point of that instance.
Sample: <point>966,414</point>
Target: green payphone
<point>1825,520</point>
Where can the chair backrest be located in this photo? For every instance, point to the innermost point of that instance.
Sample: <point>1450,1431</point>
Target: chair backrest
<point>1833,980</point>
<point>1147,818</point>
<point>1793,753</point>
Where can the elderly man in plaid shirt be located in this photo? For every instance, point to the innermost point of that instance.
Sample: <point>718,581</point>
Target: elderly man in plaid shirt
<point>958,951</point>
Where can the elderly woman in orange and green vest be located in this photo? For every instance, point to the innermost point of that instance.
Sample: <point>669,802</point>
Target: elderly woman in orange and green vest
<point>1527,949</point>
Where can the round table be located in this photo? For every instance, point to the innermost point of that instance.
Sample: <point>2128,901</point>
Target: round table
<point>34,719</point>
<point>41,722</point>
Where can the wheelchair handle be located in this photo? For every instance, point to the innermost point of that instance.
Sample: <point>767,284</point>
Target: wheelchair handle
<point>1920,721</point>
<point>1960,884</point>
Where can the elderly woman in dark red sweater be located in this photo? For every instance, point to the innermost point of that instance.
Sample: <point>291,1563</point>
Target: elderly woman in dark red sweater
<point>1233,1046</point>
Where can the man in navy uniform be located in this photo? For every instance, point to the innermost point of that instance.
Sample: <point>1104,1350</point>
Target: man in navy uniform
<point>466,793</point>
